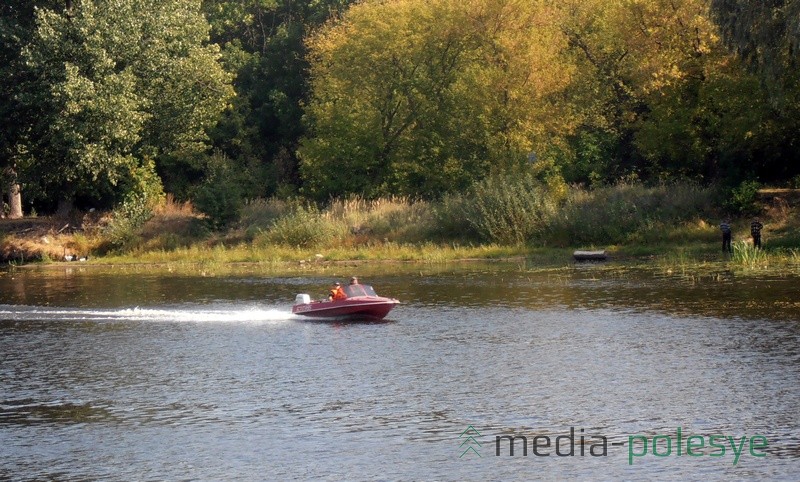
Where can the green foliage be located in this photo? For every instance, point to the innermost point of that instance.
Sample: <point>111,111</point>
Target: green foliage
<point>143,194</point>
<point>304,227</point>
<point>764,34</point>
<point>263,44</point>
<point>749,256</point>
<point>742,198</point>
<point>511,209</point>
<point>220,195</point>
<point>109,84</point>
<point>521,209</point>
<point>453,214</point>
<point>624,212</point>
<point>419,98</point>
<point>507,209</point>
<point>124,229</point>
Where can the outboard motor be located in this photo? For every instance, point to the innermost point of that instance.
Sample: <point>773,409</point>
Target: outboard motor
<point>302,299</point>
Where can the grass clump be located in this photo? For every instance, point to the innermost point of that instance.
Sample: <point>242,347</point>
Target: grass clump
<point>262,213</point>
<point>393,219</point>
<point>347,222</point>
<point>506,209</point>
<point>303,227</point>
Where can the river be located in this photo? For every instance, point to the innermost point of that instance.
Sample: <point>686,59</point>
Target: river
<point>143,375</point>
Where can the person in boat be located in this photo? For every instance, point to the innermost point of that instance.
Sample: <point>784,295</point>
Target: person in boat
<point>353,280</point>
<point>337,293</point>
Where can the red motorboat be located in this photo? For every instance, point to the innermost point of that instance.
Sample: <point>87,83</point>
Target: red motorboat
<point>361,302</point>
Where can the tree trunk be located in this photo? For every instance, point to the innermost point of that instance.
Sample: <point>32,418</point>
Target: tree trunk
<point>14,196</point>
<point>64,208</point>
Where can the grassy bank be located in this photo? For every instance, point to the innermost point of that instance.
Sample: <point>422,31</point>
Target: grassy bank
<point>672,225</point>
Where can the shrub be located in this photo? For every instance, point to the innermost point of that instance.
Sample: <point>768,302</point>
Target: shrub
<point>510,209</point>
<point>742,198</point>
<point>80,244</point>
<point>262,213</point>
<point>452,218</point>
<point>124,229</point>
<point>304,227</point>
<point>220,195</point>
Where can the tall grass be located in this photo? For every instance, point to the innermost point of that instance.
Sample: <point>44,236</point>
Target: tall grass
<point>348,222</point>
<point>262,213</point>
<point>399,219</point>
<point>748,256</point>
<point>503,209</point>
<point>303,227</point>
<point>628,212</point>
<point>513,210</point>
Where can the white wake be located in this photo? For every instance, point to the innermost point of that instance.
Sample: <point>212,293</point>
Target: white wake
<point>234,314</point>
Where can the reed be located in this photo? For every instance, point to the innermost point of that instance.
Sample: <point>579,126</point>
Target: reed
<point>748,256</point>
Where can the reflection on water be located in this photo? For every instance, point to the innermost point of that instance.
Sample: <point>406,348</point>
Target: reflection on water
<point>32,411</point>
<point>151,376</point>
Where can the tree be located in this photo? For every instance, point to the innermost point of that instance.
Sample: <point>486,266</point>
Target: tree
<point>111,85</point>
<point>635,58</point>
<point>264,46</point>
<point>16,27</point>
<point>423,97</point>
<point>765,34</point>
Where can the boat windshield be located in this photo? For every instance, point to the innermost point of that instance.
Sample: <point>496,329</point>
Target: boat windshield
<point>359,290</point>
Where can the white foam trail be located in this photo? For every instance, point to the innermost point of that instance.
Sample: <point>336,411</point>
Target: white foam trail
<point>253,314</point>
<point>233,315</point>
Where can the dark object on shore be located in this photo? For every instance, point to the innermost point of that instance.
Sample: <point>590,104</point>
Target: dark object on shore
<point>590,255</point>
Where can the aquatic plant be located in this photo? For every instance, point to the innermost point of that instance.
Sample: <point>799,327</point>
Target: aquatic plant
<point>748,256</point>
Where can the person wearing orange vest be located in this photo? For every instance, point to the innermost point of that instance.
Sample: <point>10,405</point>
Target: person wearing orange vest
<point>337,293</point>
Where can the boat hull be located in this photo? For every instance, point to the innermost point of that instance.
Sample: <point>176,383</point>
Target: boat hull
<point>364,307</point>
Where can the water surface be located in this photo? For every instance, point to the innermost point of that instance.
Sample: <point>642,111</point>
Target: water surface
<point>154,376</point>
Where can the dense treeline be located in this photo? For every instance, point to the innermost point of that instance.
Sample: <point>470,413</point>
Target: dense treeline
<point>109,103</point>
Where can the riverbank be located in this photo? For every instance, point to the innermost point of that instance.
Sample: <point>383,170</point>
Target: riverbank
<point>640,225</point>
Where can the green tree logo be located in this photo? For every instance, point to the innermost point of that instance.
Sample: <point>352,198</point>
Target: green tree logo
<point>469,442</point>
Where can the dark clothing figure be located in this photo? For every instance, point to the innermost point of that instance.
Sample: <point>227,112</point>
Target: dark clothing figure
<point>755,232</point>
<point>725,227</point>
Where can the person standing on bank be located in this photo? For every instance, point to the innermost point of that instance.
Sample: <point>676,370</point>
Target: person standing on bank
<point>755,232</point>
<point>725,227</point>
